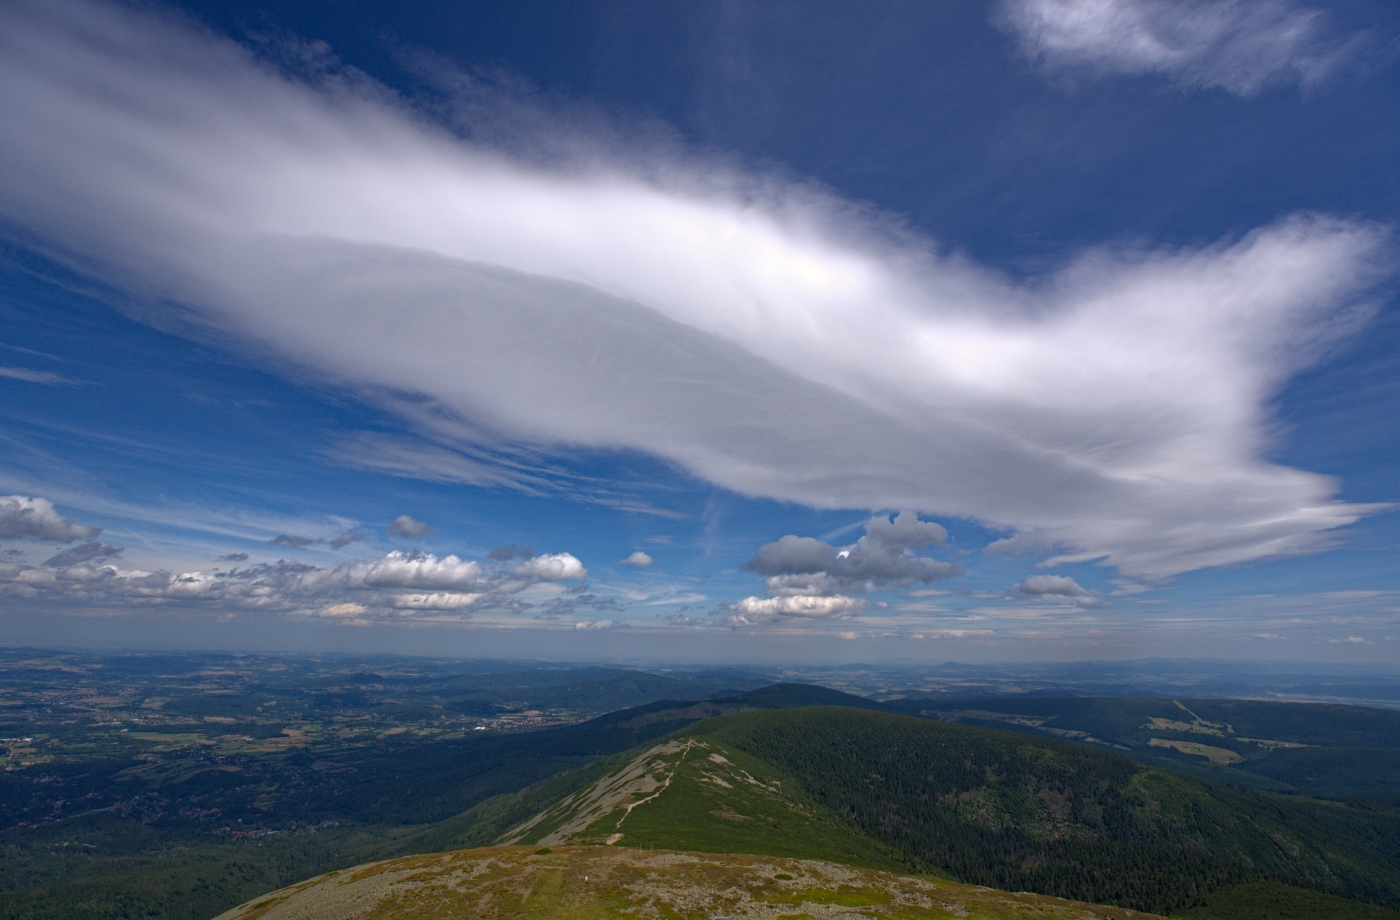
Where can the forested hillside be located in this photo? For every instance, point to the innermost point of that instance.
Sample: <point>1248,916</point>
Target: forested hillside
<point>1343,752</point>
<point>1021,813</point>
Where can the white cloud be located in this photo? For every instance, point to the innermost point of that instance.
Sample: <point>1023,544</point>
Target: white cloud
<point>405,526</point>
<point>595,624</point>
<point>394,587</point>
<point>35,518</point>
<point>1051,586</point>
<point>812,584</point>
<point>343,610</point>
<point>437,600</point>
<point>1350,640</point>
<point>416,570</point>
<point>763,336</point>
<point>640,559</point>
<point>552,567</point>
<point>797,566</point>
<point>750,611</point>
<point>30,376</point>
<point>408,459</point>
<point>1237,46</point>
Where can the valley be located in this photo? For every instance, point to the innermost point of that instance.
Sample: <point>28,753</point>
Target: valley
<point>234,781</point>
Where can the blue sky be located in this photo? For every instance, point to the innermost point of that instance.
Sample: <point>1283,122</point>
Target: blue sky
<point>1036,329</point>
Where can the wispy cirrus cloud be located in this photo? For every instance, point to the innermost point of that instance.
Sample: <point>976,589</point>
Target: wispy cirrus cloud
<point>521,471</point>
<point>48,378</point>
<point>760,334</point>
<point>1240,47</point>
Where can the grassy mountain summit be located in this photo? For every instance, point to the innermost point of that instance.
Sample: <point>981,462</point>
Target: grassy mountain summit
<point>988,806</point>
<point>591,883</point>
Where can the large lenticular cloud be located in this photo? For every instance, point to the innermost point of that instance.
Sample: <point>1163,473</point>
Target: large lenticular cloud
<point>759,334</point>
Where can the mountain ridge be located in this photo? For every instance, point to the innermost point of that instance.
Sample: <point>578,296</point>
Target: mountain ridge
<point>991,807</point>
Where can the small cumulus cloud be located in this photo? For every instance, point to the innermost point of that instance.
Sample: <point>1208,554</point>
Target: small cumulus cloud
<point>639,559</point>
<point>552,567</point>
<point>408,528</point>
<point>88,552</point>
<point>1052,586</point>
<point>753,611</point>
<point>1225,44</point>
<point>595,624</point>
<point>1267,636</point>
<point>416,570</point>
<point>233,557</point>
<point>346,539</point>
<point>1350,640</point>
<point>35,518</point>
<point>812,579</point>
<point>883,558</point>
<point>284,539</point>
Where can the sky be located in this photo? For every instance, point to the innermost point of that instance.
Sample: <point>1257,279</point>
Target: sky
<point>988,331</point>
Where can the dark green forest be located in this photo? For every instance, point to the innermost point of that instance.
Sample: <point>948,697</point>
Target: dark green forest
<point>1316,749</point>
<point>1009,811</point>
